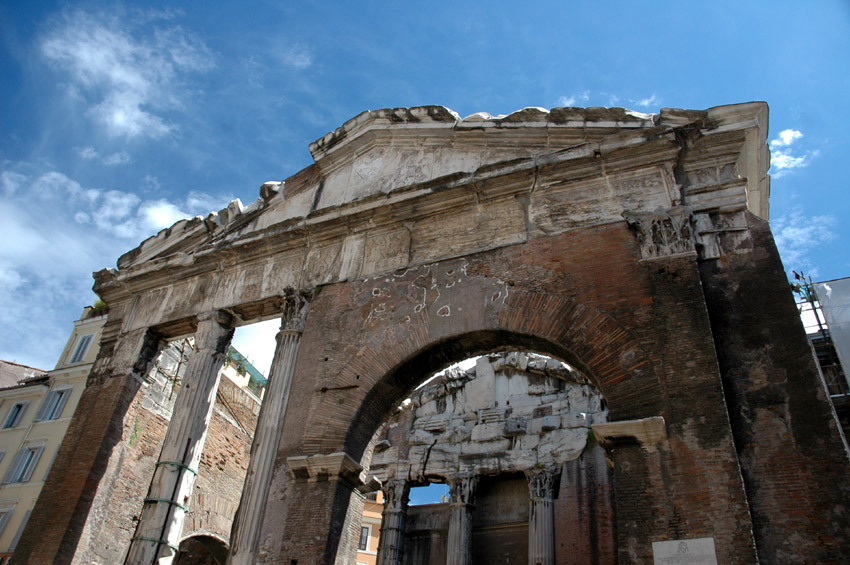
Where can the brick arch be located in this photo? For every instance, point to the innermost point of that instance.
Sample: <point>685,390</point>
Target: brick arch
<point>202,549</point>
<point>577,333</point>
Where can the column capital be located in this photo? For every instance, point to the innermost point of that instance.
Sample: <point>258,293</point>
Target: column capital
<point>663,233</point>
<point>462,489</point>
<point>215,329</point>
<point>541,484</point>
<point>396,495</point>
<point>220,317</point>
<point>296,305</point>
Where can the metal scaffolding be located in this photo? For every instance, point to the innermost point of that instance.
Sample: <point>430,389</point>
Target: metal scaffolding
<point>823,348</point>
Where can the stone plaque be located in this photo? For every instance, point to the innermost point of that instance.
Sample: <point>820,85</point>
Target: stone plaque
<point>684,551</point>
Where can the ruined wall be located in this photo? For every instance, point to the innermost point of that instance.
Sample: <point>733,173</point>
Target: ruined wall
<point>224,463</point>
<point>510,413</point>
<point>142,429</point>
<point>777,399</point>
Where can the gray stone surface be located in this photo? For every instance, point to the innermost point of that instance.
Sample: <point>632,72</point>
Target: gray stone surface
<point>506,414</point>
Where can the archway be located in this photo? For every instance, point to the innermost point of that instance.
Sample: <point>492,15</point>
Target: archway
<point>502,433</point>
<point>201,550</point>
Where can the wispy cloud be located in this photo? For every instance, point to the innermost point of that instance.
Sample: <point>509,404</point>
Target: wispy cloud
<point>117,158</point>
<point>571,100</point>
<point>647,102</point>
<point>296,56</point>
<point>610,98</point>
<point>782,159</point>
<point>126,75</point>
<point>47,265</point>
<point>797,235</point>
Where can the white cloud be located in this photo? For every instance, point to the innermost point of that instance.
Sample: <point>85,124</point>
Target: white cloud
<point>782,160</point>
<point>160,214</point>
<point>127,77</point>
<point>297,56</point>
<point>45,266</point>
<point>573,99</point>
<point>796,235</point>
<point>11,181</point>
<point>118,158</point>
<point>786,137</point>
<point>87,153</point>
<point>647,102</point>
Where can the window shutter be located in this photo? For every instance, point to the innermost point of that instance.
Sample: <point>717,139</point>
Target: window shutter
<point>82,348</point>
<point>63,399</point>
<point>23,525</point>
<point>14,466</point>
<point>4,517</point>
<point>23,409</point>
<point>39,416</point>
<point>32,464</point>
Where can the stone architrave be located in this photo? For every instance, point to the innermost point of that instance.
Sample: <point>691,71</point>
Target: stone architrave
<point>252,506</point>
<point>462,502</point>
<point>541,517</point>
<point>158,532</point>
<point>390,548</point>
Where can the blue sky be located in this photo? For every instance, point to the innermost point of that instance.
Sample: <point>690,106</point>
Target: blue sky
<point>117,120</point>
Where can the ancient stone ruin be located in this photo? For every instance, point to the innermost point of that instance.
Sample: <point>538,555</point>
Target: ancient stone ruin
<point>512,415</point>
<point>633,247</point>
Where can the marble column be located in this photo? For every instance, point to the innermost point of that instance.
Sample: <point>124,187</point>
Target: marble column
<point>462,502</point>
<point>161,524</point>
<point>390,545</point>
<point>541,517</point>
<point>249,517</point>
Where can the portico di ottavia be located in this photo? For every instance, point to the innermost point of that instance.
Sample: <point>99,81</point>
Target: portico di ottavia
<point>646,392</point>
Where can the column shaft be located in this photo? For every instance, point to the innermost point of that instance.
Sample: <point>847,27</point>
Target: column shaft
<point>161,524</point>
<point>462,493</point>
<point>249,518</point>
<point>391,543</point>
<point>541,518</point>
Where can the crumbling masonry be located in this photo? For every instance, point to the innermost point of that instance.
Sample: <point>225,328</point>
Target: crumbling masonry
<point>634,247</point>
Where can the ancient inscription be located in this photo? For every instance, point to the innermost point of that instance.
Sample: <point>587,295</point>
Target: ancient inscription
<point>684,552</point>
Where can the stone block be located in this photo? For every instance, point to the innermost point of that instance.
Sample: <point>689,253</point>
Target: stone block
<point>576,420</point>
<point>480,447</point>
<point>562,445</point>
<point>516,426</point>
<point>551,423</point>
<point>487,432</point>
<point>421,437</point>
<point>480,393</point>
<point>523,401</point>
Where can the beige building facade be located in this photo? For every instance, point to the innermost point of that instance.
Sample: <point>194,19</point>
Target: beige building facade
<point>34,415</point>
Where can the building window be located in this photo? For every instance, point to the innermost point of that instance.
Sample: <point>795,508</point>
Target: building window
<point>16,412</point>
<point>23,525</point>
<point>364,538</point>
<point>24,464</point>
<point>5,514</point>
<point>82,348</point>
<point>53,404</point>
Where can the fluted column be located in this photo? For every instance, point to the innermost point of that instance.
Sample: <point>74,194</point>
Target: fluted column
<point>158,532</point>
<point>252,506</point>
<point>462,502</point>
<point>390,545</point>
<point>541,517</point>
